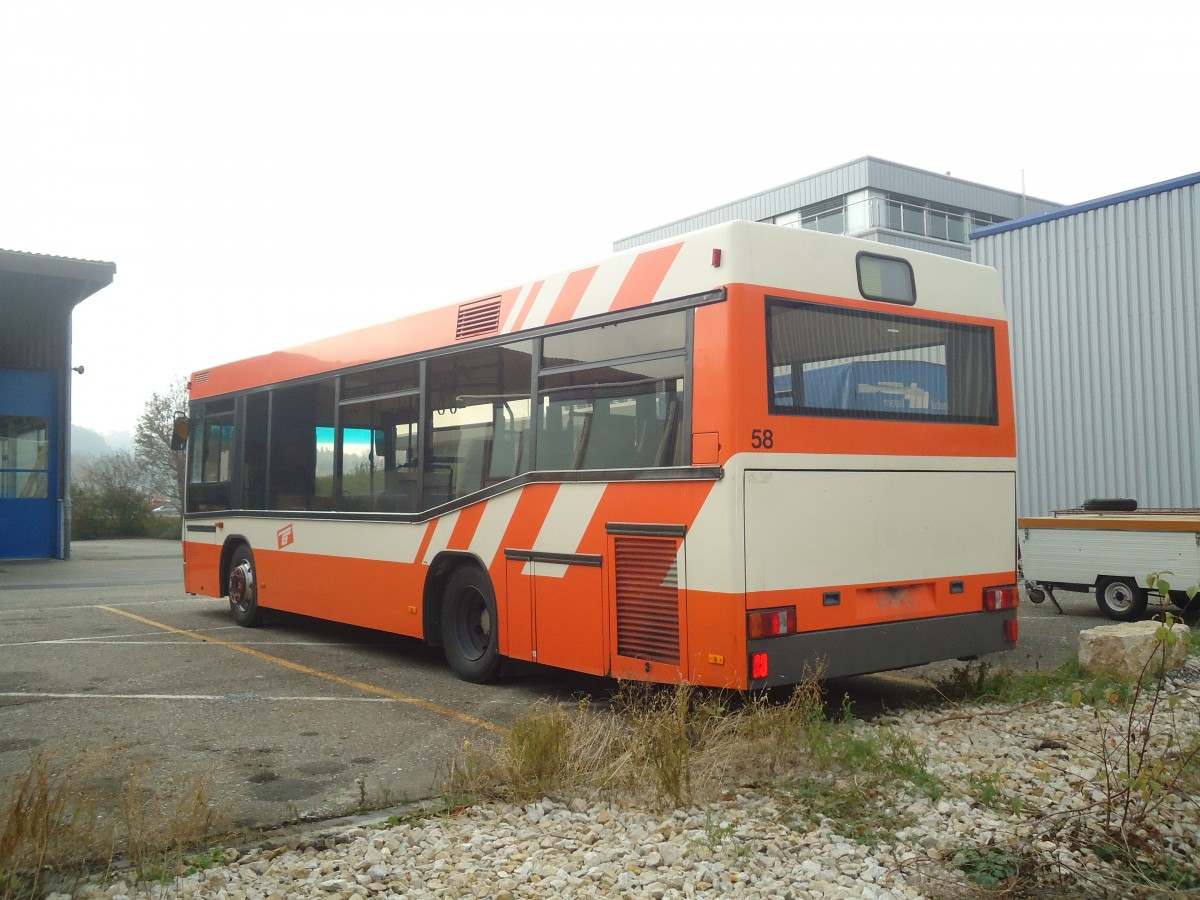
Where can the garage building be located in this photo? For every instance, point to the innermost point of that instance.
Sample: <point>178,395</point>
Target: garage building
<point>37,296</point>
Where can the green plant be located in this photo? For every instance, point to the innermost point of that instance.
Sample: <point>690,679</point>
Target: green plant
<point>718,834</point>
<point>1185,599</point>
<point>989,867</point>
<point>1141,764</point>
<point>539,752</point>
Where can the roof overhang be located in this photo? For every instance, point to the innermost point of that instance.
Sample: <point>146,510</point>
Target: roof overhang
<point>36,277</point>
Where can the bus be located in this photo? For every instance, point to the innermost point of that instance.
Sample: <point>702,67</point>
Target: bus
<point>732,458</point>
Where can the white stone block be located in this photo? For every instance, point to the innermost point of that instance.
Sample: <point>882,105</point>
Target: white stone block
<point>1123,649</point>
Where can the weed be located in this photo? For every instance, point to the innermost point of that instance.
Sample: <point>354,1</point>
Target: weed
<point>65,812</point>
<point>987,868</point>
<point>361,783</point>
<point>539,752</point>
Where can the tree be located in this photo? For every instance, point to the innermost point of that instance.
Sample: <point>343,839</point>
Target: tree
<point>111,498</point>
<point>165,467</point>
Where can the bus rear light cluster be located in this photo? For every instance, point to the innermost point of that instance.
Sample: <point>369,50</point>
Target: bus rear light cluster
<point>761,623</point>
<point>1000,597</point>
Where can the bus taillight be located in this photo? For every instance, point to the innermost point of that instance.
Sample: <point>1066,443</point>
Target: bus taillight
<point>1000,597</point>
<point>761,623</point>
<point>758,665</point>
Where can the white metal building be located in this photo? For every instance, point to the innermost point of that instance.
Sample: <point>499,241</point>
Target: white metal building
<point>872,199</point>
<point>1104,300</point>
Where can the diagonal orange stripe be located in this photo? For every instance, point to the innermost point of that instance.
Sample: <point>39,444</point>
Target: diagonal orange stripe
<point>357,685</point>
<point>645,277</point>
<point>465,527</point>
<point>524,314</point>
<point>570,295</point>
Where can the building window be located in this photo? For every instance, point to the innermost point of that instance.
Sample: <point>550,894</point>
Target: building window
<point>24,457</point>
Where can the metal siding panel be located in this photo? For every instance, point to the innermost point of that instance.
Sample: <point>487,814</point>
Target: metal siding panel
<point>1105,329</point>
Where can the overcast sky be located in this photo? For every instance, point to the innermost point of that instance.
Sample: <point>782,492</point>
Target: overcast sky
<point>263,174</point>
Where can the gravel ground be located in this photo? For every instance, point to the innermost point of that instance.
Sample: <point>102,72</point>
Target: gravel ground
<point>1024,787</point>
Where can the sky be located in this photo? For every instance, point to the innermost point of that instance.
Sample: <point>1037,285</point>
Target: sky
<point>264,174</point>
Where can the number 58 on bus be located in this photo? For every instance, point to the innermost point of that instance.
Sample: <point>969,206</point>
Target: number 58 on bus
<point>732,458</point>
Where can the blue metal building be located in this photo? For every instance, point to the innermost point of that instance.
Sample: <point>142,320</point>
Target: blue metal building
<point>37,296</point>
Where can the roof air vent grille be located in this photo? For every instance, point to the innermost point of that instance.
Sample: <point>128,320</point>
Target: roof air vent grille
<point>477,318</point>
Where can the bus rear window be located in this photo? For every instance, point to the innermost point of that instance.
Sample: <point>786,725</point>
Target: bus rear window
<point>824,361</point>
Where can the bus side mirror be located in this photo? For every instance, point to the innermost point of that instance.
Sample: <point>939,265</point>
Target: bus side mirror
<point>179,432</point>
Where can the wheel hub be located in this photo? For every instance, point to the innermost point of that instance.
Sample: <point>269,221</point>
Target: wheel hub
<point>241,583</point>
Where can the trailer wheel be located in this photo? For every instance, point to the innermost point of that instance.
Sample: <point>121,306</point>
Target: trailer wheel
<point>470,630</point>
<point>243,588</point>
<point>1120,598</point>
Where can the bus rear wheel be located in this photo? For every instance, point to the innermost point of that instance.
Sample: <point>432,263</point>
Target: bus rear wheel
<point>243,588</point>
<point>470,630</point>
<point>1120,598</point>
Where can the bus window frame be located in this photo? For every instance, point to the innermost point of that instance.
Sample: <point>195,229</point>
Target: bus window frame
<point>986,335</point>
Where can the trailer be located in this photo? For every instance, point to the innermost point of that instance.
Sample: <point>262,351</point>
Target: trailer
<point>1115,549</point>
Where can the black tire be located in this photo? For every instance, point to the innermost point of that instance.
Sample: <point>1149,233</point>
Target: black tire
<point>243,588</point>
<point>470,630</point>
<point>1120,598</point>
<point>1110,504</point>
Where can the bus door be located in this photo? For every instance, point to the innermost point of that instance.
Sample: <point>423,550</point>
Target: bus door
<point>556,611</point>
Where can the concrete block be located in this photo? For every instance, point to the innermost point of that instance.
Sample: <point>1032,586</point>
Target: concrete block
<point>1123,649</point>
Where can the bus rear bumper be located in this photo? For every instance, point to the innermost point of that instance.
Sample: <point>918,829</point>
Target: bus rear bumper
<point>877,648</point>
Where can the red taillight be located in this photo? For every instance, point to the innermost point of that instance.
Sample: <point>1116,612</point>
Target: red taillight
<point>761,623</point>
<point>758,665</point>
<point>1000,597</point>
<point>1010,631</point>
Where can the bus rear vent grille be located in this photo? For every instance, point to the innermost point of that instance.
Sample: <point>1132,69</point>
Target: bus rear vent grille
<point>647,599</point>
<point>478,318</point>
<point>201,378</point>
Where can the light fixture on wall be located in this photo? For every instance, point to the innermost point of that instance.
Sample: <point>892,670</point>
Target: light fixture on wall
<point>78,369</point>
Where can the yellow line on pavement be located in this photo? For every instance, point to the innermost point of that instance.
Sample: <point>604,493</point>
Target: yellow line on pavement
<point>435,708</point>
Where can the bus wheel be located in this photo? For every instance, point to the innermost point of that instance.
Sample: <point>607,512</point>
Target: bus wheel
<point>470,632</point>
<point>1120,598</point>
<point>243,588</point>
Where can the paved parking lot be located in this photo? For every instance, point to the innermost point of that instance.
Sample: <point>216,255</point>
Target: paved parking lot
<point>106,654</point>
<point>107,657</point>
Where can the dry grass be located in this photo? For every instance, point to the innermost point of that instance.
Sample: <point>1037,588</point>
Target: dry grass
<point>682,744</point>
<point>70,812</point>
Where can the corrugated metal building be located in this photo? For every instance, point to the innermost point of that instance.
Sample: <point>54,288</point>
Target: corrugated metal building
<point>37,295</point>
<point>873,199</point>
<point>1104,300</point>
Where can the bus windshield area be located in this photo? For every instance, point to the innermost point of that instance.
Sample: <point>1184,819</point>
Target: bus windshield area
<point>831,361</point>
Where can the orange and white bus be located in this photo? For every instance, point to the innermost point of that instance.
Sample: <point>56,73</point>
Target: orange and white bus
<point>723,459</point>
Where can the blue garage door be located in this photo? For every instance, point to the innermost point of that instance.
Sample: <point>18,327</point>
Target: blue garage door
<point>28,465</point>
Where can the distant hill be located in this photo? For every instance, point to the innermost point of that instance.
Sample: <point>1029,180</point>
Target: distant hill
<point>88,445</point>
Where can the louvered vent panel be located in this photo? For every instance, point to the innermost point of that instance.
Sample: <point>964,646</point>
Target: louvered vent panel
<point>647,599</point>
<point>201,378</point>
<point>478,318</point>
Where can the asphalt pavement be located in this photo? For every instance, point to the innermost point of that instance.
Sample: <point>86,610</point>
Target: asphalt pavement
<point>109,667</point>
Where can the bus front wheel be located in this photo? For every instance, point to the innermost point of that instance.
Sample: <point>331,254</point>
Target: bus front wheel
<point>1120,598</point>
<point>243,588</point>
<point>470,631</point>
